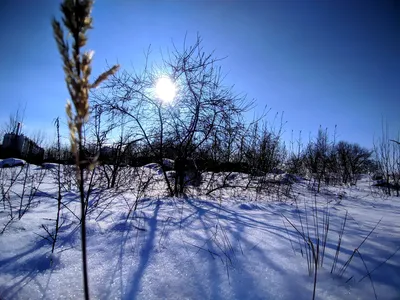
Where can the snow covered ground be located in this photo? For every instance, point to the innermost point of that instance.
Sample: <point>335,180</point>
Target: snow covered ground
<point>230,245</point>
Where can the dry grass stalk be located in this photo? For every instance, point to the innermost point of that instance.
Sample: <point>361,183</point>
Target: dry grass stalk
<point>77,21</point>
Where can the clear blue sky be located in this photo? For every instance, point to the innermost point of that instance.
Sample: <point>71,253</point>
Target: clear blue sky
<point>321,62</point>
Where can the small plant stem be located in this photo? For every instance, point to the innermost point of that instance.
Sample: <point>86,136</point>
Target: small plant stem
<point>83,226</point>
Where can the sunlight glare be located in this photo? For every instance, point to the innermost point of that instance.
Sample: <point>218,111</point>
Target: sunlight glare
<point>165,89</point>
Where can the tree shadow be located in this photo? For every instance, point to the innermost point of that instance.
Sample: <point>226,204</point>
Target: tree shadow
<point>146,251</point>
<point>28,264</point>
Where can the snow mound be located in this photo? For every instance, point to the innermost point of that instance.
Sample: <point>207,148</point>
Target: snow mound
<point>12,162</point>
<point>50,166</point>
<point>169,163</point>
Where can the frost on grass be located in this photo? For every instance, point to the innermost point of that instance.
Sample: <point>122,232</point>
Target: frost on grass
<point>216,247</point>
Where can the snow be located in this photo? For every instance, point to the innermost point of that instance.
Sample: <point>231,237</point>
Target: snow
<point>11,162</point>
<point>154,167</point>
<point>169,163</point>
<point>224,246</point>
<point>49,166</point>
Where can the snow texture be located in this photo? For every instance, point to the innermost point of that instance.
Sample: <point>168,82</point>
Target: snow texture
<point>11,162</point>
<point>217,247</point>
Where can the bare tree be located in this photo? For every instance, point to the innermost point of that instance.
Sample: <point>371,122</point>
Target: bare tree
<point>317,157</point>
<point>295,162</point>
<point>15,121</point>
<point>352,160</point>
<point>202,104</point>
<point>38,137</point>
<point>387,156</point>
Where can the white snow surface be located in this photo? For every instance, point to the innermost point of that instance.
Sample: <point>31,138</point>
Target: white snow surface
<point>11,162</point>
<point>227,246</point>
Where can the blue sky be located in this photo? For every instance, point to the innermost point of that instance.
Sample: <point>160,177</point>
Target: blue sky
<point>321,62</point>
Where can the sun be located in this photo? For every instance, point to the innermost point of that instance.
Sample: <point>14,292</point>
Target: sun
<point>165,89</point>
